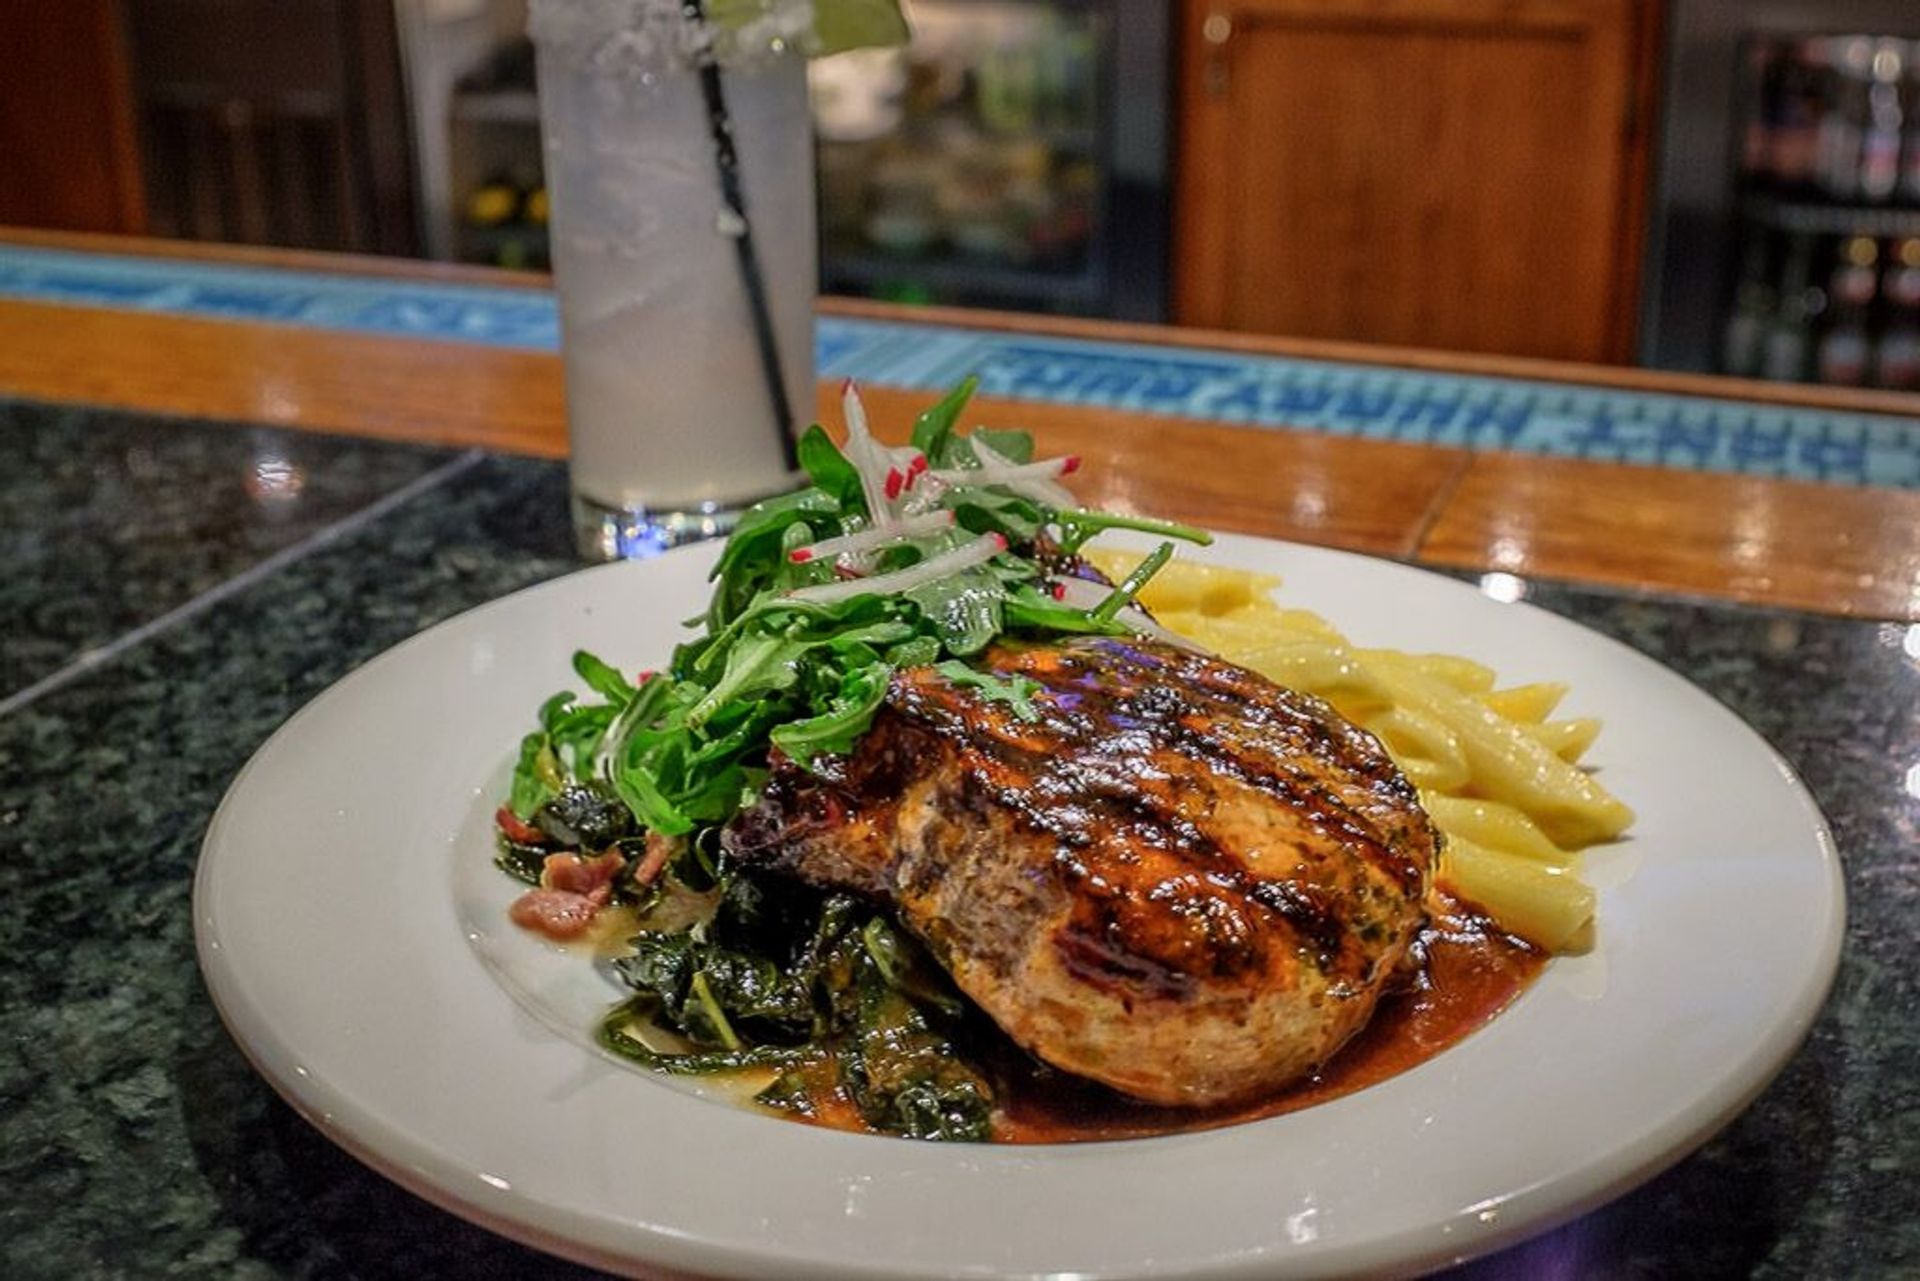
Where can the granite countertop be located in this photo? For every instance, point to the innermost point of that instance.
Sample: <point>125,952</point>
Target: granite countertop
<point>176,590</point>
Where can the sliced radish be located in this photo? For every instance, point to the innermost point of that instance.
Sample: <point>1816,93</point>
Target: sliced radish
<point>1029,480</point>
<point>903,530</point>
<point>945,565</point>
<point>869,460</point>
<point>1082,593</point>
<point>1032,480</point>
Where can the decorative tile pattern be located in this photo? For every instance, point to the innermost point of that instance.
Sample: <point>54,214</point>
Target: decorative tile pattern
<point>496,317</point>
<point>1258,391</point>
<point>1466,411</point>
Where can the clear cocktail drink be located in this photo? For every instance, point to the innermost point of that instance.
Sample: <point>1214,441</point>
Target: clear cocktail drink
<point>672,418</point>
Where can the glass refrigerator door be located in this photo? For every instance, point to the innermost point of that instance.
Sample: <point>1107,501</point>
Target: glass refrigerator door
<point>973,166</point>
<point>1788,173</point>
<point>1828,213</point>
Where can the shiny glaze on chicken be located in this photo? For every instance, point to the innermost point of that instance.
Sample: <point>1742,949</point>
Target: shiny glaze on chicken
<point>1180,879</point>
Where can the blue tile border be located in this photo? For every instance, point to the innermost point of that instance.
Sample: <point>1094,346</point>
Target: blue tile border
<point>496,317</point>
<point>1271,392</point>
<point>1465,411</point>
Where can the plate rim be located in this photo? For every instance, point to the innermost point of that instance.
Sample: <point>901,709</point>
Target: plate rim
<point>414,1163</point>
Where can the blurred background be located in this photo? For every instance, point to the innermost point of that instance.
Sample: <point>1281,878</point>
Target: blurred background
<point>1695,184</point>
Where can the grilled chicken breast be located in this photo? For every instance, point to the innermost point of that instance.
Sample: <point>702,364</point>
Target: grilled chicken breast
<point>1180,880</point>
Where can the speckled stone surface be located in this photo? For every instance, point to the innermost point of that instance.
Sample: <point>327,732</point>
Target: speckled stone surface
<point>108,520</point>
<point>136,1142</point>
<point>1821,1177</point>
<point>134,1139</point>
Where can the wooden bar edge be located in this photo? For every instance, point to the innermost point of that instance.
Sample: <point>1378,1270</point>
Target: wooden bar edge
<point>1615,377</point>
<point>1826,549</point>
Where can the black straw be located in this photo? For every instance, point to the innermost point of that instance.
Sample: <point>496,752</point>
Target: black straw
<point>727,161</point>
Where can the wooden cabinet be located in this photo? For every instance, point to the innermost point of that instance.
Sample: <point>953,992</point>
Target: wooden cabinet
<point>274,122</point>
<point>279,122</point>
<point>1463,174</point>
<point>69,151</point>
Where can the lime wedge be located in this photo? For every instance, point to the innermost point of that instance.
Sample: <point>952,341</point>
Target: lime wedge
<point>839,25</point>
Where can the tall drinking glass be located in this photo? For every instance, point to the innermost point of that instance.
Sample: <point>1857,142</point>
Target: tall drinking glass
<point>679,160</point>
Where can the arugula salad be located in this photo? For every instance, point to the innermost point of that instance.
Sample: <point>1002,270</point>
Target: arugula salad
<point>890,558</point>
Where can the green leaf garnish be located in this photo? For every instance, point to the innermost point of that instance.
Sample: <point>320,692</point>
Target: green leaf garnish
<point>839,25</point>
<point>1130,586</point>
<point>602,679</point>
<point>1016,691</point>
<point>828,468</point>
<point>933,430</point>
<point>1077,527</point>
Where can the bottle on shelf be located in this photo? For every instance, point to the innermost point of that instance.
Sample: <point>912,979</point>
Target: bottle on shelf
<point>1844,115</point>
<point>1881,138</point>
<point>1845,347</point>
<point>1897,363</point>
<point>1833,119</point>
<point>1910,160</point>
<point>1761,89</point>
<point>1743,345</point>
<point>1799,105</point>
<point>1789,340</point>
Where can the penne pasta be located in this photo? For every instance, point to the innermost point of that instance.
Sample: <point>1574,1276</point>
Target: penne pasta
<point>1462,673</point>
<point>1327,671</point>
<point>1234,632</point>
<point>1530,704</point>
<point>1187,585</point>
<point>1305,623</point>
<point>1496,827</point>
<point>1425,749</point>
<point>1508,764</point>
<point>1497,777</point>
<point>1568,739</point>
<point>1546,907</point>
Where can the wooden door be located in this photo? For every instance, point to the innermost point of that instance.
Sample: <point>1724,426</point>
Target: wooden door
<point>1463,174</point>
<point>69,149</point>
<point>275,122</point>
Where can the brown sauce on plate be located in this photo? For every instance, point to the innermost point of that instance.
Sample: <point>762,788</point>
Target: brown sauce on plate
<point>1473,971</point>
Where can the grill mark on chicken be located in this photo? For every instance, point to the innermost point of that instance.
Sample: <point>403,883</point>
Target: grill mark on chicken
<point>1320,806</point>
<point>1154,821</point>
<point>1164,711</point>
<point>1181,880</point>
<point>1172,709</point>
<point>1326,811</point>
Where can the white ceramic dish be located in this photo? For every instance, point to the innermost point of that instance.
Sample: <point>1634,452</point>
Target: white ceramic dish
<point>351,935</point>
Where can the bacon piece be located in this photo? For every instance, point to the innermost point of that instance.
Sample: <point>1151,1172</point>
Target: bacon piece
<point>514,830</point>
<point>580,875</point>
<point>558,914</point>
<point>654,861</point>
<point>572,892</point>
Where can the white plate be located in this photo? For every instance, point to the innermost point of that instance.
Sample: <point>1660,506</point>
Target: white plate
<point>362,963</point>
